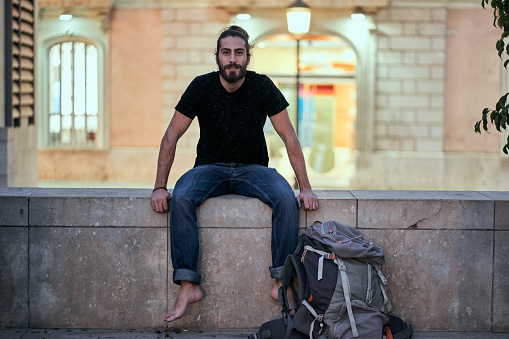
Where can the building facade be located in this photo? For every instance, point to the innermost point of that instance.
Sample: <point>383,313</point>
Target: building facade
<point>18,130</point>
<point>389,102</point>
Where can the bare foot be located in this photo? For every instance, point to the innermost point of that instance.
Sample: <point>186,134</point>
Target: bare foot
<point>289,293</point>
<point>275,290</point>
<point>189,293</point>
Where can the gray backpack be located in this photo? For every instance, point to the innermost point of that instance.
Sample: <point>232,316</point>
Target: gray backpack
<point>341,288</point>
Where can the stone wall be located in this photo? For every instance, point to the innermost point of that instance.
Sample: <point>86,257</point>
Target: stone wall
<point>99,258</point>
<point>410,79</point>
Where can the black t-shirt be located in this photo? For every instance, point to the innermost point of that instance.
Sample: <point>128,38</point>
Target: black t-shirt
<point>231,124</point>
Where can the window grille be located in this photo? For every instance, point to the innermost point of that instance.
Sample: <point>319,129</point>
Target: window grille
<point>73,94</point>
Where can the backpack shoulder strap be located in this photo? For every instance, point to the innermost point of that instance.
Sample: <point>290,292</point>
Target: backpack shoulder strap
<point>346,292</point>
<point>293,267</point>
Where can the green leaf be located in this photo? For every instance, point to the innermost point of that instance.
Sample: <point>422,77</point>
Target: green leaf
<point>503,120</point>
<point>477,128</point>
<point>500,47</point>
<point>493,115</point>
<point>501,102</point>
<point>497,123</point>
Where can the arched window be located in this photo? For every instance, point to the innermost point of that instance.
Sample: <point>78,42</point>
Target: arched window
<point>73,94</point>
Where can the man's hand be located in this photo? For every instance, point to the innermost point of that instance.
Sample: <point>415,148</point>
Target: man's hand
<point>159,200</point>
<point>308,199</point>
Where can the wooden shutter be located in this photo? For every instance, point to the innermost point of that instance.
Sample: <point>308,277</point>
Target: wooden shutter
<point>19,61</point>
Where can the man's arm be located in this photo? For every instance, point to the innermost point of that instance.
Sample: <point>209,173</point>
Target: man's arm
<point>177,127</point>
<point>284,128</point>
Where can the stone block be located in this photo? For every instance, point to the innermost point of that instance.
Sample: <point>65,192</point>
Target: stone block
<point>501,283</point>
<point>410,14</point>
<point>424,210</point>
<point>13,277</point>
<point>235,255</point>
<point>14,206</point>
<point>439,280</point>
<point>429,144</point>
<point>339,206</point>
<point>97,277</point>
<point>408,101</point>
<point>416,43</point>
<point>235,280</point>
<point>501,209</point>
<point>94,207</point>
<point>430,86</point>
<point>434,29</point>
<point>235,211</point>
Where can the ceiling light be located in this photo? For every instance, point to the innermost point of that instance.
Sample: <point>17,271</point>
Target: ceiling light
<point>358,14</point>
<point>65,16</point>
<point>243,16</point>
<point>298,16</point>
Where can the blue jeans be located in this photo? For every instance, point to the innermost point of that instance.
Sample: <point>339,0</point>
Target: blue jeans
<point>207,181</point>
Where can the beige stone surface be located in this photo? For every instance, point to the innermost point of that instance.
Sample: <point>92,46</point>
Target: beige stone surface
<point>235,256</point>
<point>14,276</point>
<point>118,164</point>
<point>339,206</point>
<point>236,281</point>
<point>465,98</point>
<point>22,157</point>
<point>94,207</point>
<point>447,272</point>
<point>97,277</point>
<point>424,210</point>
<point>233,210</point>
<point>14,206</point>
<point>136,99</point>
<point>501,209</point>
<point>439,279</point>
<point>501,283</point>
<point>430,171</point>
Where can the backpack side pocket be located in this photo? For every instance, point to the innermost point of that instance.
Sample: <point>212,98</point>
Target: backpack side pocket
<point>369,320</point>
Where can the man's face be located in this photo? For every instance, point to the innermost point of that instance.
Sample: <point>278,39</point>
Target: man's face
<point>232,59</point>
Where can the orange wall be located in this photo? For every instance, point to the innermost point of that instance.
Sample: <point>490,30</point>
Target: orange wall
<point>345,123</point>
<point>473,79</point>
<point>136,77</point>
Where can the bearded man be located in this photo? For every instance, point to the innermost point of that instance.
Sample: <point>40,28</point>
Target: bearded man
<point>232,105</point>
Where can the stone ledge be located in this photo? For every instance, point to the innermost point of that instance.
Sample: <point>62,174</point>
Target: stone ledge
<point>424,210</point>
<point>99,258</point>
<point>93,207</point>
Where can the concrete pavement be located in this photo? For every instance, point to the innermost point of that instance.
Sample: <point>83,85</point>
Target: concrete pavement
<point>30,333</point>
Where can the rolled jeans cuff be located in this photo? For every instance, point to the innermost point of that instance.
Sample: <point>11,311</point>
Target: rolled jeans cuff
<point>276,272</point>
<point>187,275</point>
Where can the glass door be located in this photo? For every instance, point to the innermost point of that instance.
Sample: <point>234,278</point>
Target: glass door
<point>325,114</point>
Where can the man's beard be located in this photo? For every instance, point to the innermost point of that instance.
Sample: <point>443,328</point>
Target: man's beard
<point>233,77</point>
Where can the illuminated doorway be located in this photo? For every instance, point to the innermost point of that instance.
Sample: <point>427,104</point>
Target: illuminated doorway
<point>327,106</point>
